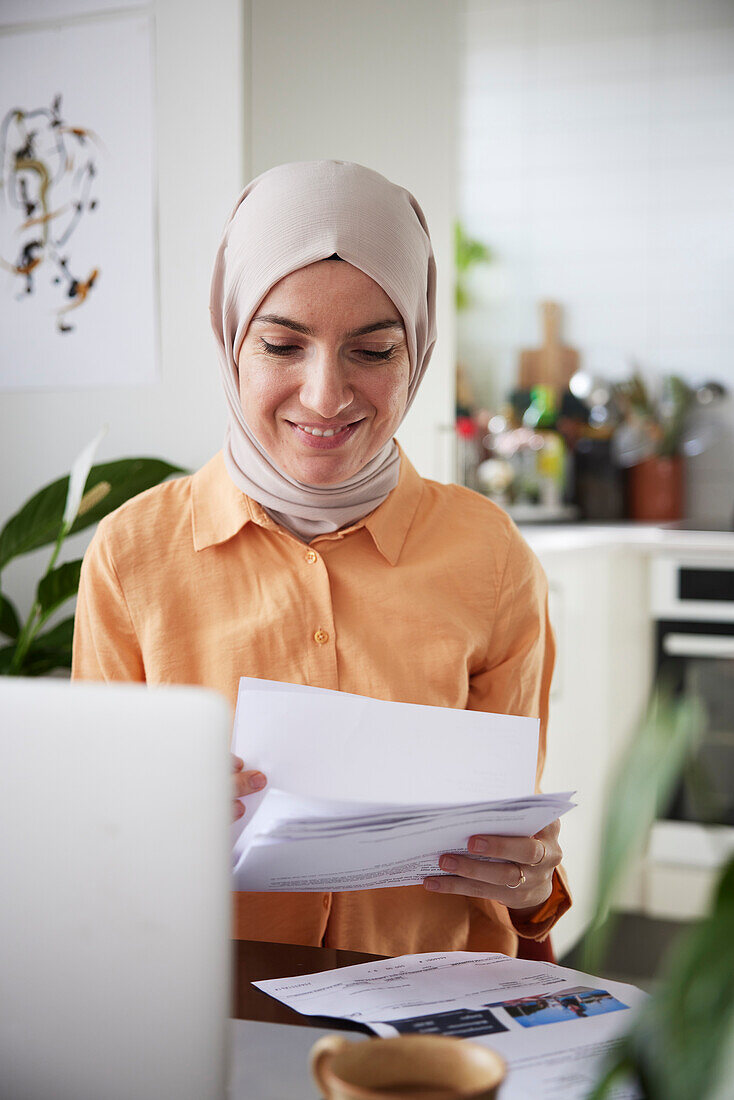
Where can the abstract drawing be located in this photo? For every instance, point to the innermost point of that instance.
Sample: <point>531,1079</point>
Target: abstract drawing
<point>78,289</point>
<point>47,172</point>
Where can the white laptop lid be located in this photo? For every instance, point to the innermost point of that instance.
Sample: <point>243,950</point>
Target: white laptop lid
<point>114,891</point>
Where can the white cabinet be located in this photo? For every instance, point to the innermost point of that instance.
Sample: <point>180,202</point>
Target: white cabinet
<point>599,608</point>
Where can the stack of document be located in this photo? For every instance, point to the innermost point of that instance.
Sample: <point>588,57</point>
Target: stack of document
<point>412,782</point>
<point>553,1026</point>
<point>310,844</point>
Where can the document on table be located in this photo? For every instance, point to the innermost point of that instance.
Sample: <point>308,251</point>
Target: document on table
<point>413,782</point>
<point>553,1026</point>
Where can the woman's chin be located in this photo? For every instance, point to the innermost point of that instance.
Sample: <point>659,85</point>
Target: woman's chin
<point>322,472</point>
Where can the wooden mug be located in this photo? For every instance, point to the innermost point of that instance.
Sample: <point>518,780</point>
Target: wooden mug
<point>409,1067</point>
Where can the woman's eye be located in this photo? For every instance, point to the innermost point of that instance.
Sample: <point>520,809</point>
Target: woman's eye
<point>367,353</point>
<point>377,354</point>
<point>278,349</point>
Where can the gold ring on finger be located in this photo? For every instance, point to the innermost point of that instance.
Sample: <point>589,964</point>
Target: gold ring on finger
<point>520,881</point>
<point>541,858</point>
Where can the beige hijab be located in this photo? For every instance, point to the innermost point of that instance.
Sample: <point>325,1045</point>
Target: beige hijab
<point>287,218</point>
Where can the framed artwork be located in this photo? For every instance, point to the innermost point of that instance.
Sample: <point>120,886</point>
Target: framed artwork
<point>78,298</point>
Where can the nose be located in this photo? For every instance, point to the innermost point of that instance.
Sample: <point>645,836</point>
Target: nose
<point>326,390</point>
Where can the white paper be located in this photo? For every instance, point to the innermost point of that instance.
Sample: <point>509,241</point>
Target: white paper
<point>330,744</point>
<point>292,844</point>
<point>413,782</point>
<point>552,1025</point>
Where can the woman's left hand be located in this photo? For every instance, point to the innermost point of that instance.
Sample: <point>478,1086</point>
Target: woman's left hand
<point>521,881</point>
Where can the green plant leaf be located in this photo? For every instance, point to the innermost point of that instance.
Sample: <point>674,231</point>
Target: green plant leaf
<point>678,1044</point>
<point>615,1072</point>
<point>680,1039</point>
<point>468,252</point>
<point>47,651</point>
<point>40,663</point>
<point>39,520</point>
<point>50,651</point>
<point>462,297</point>
<point>58,586</point>
<point>641,787</point>
<point>59,636</point>
<point>127,477</point>
<point>692,1018</point>
<point>6,656</point>
<point>37,523</point>
<point>9,621</point>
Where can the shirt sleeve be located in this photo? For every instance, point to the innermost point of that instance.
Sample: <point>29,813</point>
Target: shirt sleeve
<point>105,644</point>
<point>516,678</point>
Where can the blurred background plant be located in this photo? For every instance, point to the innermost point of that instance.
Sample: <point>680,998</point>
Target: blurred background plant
<point>467,253</point>
<point>681,1043</point>
<point>661,421</point>
<point>658,424</point>
<point>60,509</point>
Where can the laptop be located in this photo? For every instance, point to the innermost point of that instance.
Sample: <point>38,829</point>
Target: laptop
<point>114,891</point>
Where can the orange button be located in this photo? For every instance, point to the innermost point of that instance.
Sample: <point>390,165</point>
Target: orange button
<point>311,557</point>
<point>326,901</point>
<point>321,637</point>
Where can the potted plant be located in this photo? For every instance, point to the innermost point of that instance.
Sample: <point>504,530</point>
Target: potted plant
<point>63,508</point>
<point>650,438</point>
<point>681,1043</point>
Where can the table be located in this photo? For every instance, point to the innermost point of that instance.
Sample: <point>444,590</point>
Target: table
<point>271,1062</point>
<point>254,961</point>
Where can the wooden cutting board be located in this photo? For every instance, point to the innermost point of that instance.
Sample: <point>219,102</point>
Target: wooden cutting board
<point>552,364</point>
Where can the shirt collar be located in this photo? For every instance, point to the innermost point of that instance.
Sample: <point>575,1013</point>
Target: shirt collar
<point>390,522</point>
<point>219,510</point>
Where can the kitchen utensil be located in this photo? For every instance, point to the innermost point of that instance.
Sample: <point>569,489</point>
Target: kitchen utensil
<point>554,363</point>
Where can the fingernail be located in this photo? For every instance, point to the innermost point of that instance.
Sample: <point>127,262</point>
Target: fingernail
<point>448,863</point>
<point>257,781</point>
<point>431,884</point>
<point>237,764</point>
<point>476,844</point>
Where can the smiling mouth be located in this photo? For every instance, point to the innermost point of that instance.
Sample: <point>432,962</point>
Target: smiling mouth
<point>325,432</point>
<point>324,437</point>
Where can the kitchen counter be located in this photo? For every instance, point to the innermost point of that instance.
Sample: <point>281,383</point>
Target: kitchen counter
<point>646,537</point>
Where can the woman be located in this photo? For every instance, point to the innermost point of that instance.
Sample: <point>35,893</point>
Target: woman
<point>310,551</point>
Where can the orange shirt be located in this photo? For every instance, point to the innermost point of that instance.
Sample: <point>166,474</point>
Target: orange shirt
<point>433,598</point>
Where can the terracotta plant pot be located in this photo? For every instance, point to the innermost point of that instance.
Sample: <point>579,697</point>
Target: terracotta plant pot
<point>656,489</point>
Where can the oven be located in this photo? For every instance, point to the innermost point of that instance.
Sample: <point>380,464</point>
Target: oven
<point>693,610</point>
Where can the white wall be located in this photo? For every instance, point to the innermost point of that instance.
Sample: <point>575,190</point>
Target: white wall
<point>200,167</point>
<point>375,83</point>
<point>597,161</point>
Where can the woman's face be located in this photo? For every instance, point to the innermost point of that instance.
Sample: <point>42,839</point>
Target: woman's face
<point>323,372</point>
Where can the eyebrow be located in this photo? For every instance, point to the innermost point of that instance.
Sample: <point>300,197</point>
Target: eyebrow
<point>274,319</point>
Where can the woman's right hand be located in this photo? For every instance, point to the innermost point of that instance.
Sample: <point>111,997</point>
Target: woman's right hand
<point>244,782</point>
